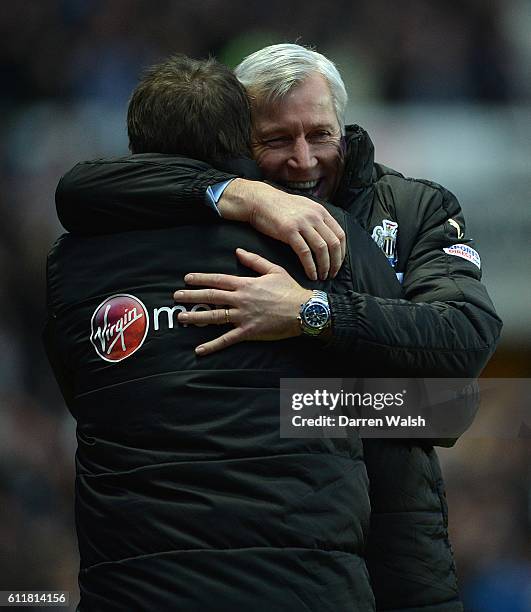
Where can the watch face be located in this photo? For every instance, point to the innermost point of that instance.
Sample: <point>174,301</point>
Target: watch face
<point>316,315</point>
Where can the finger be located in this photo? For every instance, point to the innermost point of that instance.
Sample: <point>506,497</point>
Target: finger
<point>204,296</point>
<point>320,251</point>
<point>304,253</point>
<point>338,231</point>
<point>208,317</point>
<point>231,337</point>
<point>256,262</point>
<point>219,281</point>
<point>334,248</point>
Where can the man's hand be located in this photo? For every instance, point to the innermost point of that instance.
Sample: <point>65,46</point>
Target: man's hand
<point>298,221</point>
<point>260,308</point>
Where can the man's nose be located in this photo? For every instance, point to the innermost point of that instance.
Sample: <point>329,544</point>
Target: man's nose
<point>302,156</point>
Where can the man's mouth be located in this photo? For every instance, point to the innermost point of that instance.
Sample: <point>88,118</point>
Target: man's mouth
<point>304,187</point>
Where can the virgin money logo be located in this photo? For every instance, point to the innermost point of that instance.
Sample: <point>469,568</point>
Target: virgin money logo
<point>119,327</point>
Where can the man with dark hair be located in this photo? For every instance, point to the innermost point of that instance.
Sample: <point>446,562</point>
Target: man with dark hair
<point>195,107</point>
<point>186,496</point>
<point>446,327</point>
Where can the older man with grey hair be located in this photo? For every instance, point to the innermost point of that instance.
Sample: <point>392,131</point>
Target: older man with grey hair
<point>445,326</point>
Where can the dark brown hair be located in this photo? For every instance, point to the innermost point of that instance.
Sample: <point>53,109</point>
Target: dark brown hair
<point>194,108</point>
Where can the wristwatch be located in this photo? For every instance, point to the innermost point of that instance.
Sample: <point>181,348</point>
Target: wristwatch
<point>314,315</point>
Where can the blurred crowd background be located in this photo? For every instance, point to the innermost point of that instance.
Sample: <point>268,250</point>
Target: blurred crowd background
<point>442,86</point>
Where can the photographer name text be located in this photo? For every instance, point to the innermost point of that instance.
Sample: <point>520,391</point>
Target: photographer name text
<point>345,421</point>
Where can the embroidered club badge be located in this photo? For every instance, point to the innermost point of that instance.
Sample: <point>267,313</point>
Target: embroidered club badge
<point>385,237</point>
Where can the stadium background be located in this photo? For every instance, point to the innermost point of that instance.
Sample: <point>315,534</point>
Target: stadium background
<point>443,88</point>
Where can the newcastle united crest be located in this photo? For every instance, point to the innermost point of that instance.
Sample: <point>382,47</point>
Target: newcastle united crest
<point>385,237</point>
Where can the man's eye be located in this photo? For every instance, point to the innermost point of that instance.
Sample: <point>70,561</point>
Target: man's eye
<point>278,141</point>
<point>320,136</point>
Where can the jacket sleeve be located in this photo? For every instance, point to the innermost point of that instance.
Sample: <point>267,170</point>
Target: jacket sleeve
<point>146,191</point>
<point>445,327</point>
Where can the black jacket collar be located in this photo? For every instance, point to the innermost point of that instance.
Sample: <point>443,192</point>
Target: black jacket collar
<point>355,186</point>
<point>241,166</point>
<point>359,158</point>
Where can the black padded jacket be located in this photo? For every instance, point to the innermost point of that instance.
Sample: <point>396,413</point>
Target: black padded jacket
<point>186,496</point>
<point>446,326</point>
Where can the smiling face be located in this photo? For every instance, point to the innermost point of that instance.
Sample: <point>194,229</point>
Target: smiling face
<point>297,141</point>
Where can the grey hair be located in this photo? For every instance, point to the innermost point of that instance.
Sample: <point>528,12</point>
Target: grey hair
<point>269,74</point>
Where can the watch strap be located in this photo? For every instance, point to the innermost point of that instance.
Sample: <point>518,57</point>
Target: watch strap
<point>321,298</point>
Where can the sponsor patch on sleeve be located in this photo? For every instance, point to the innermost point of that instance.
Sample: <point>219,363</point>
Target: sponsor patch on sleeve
<point>464,251</point>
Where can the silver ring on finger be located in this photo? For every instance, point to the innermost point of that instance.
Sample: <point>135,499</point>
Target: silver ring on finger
<point>227,316</point>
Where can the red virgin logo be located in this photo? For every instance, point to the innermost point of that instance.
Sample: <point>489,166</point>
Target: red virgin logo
<point>119,327</point>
